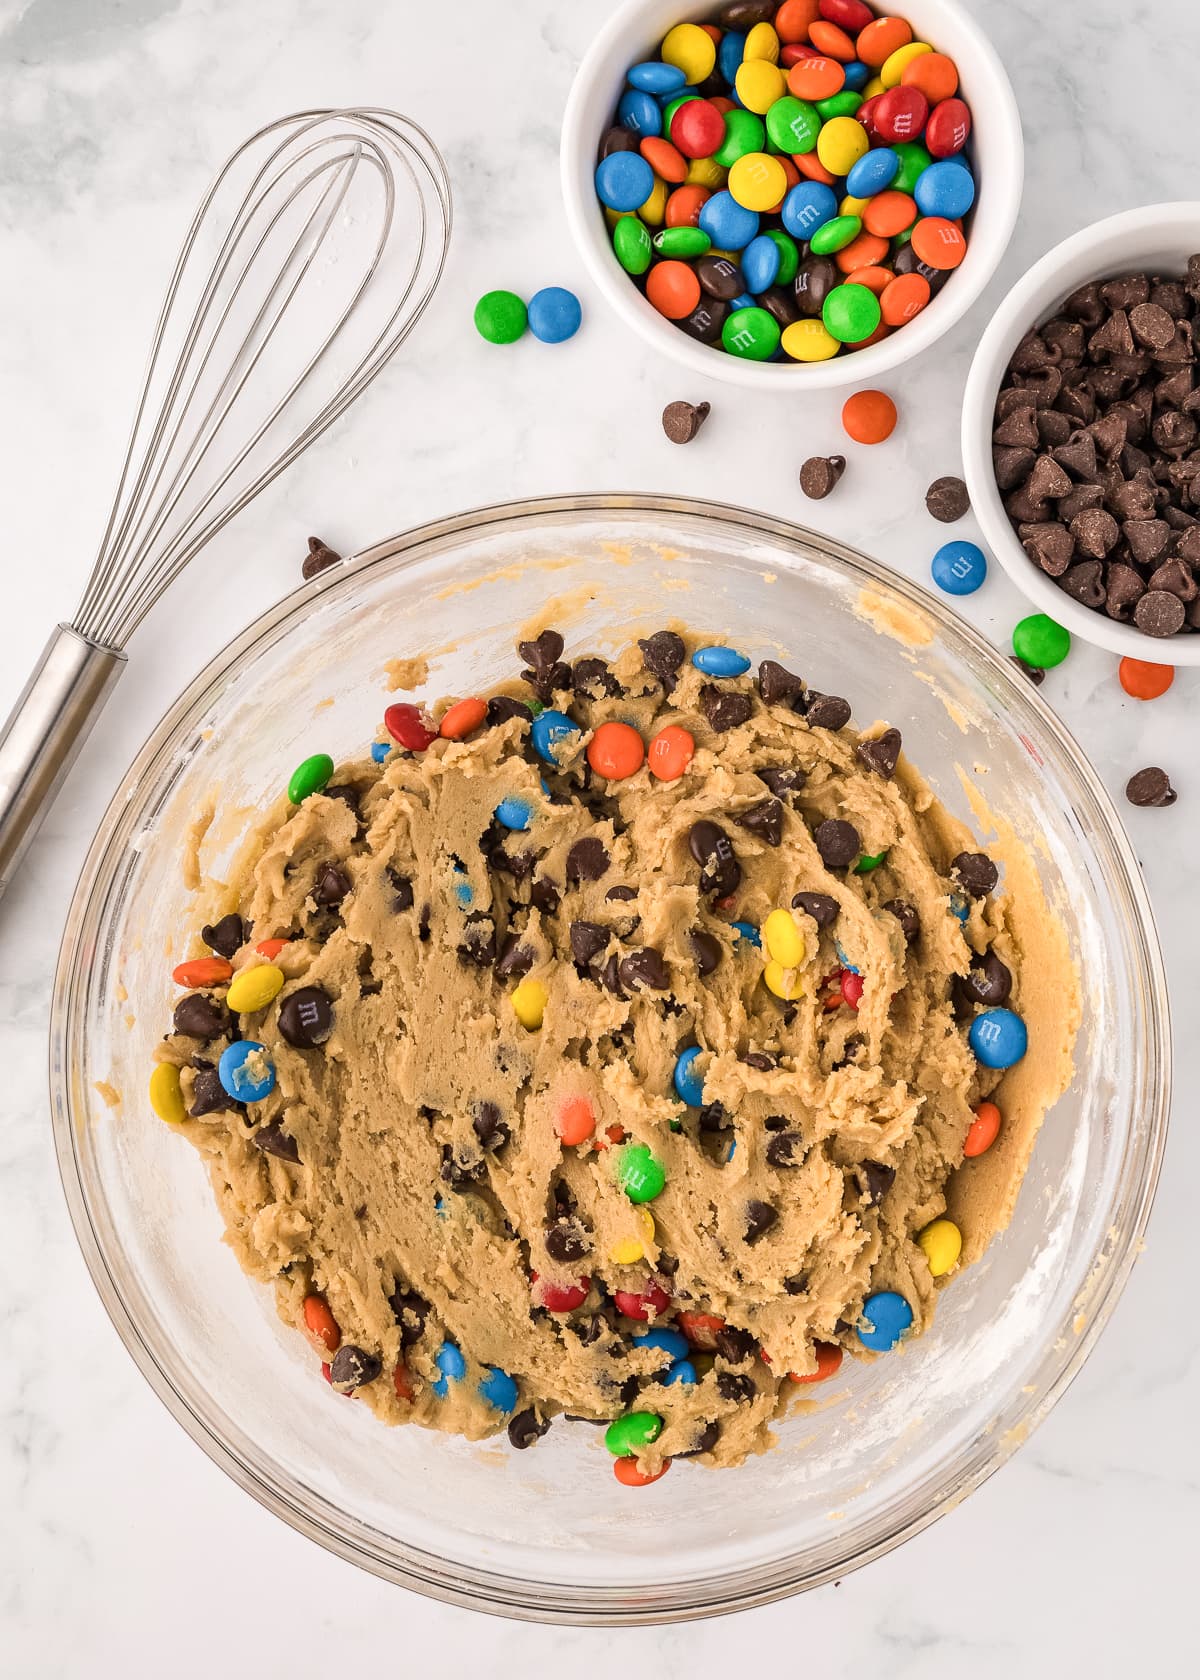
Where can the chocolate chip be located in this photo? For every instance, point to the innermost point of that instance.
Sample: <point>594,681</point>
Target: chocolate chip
<point>587,860</point>
<point>723,710</point>
<point>880,753</point>
<point>797,1284</point>
<point>1085,583</point>
<point>782,780</point>
<point>1047,480</point>
<point>331,884</point>
<point>208,1094</point>
<point>409,1310</point>
<point>778,686</point>
<point>682,420</point>
<point>1150,787</point>
<point>1034,672</point>
<point>975,873</point>
<point>1151,325</point>
<point>838,843</point>
<point>1159,613</point>
<point>644,968</point>
<point>820,906</point>
<point>306,1017</point>
<point>515,958</point>
<point>1147,539</point>
<point>525,1428</point>
<point>760,1216</point>
<point>610,976</point>
<point>227,936</point>
<point>764,819</point>
<point>704,1442</point>
<point>987,981</point>
<point>588,939</point>
<point>906,914</point>
<point>786,1149</point>
<point>826,711</point>
<point>662,655</point>
<point>1086,304</point>
<point>1095,532</point>
<point>459,1172</point>
<point>1123,589</point>
<point>1112,337</point>
<point>875,1179</point>
<point>544,652</point>
<point>820,473</point>
<point>760,1060</point>
<point>706,949</point>
<point>318,559</point>
<point>1051,546</point>
<point>490,1128</point>
<point>714,1117</point>
<point>1011,466</point>
<point>403,899</point>
<point>502,707</point>
<point>478,943</point>
<point>1017,431</point>
<point>200,1016</point>
<point>720,278</point>
<point>353,1367</point>
<point>273,1140</point>
<point>1176,577</point>
<point>543,896</point>
<point>947,499</point>
<point>566,1241</point>
<point>592,678</point>
<point>732,1385</point>
<point>735,1345</point>
<point>712,848</point>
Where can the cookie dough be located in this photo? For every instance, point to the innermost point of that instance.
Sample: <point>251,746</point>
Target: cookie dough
<point>404,1187</point>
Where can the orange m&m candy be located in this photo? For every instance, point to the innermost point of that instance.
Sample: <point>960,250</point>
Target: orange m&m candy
<point>816,78</point>
<point>829,1363</point>
<point>830,40</point>
<point>270,948</point>
<point>202,971</point>
<point>810,165</point>
<point>879,40</point>
<point>685,204</point>
<point>1144,680</point>
<point>462,718</point>
<point>863,252</point>
<point>670,753</point>
<point>905,297</point>
<point>984,1130</point>
<point>795,18</point>
<point>320,1323</point>
<point>665,160</point>
<point>616,750</point>
<point>935,75</point>
<point>673,289</point>
<point>575,1121</point>
<point>869,416</point>
<point>938,243</point>
<point>627,1473</point>
<point>889,213</point>
<point>875,279</point>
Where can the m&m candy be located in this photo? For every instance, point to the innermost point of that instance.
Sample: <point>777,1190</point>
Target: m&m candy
<point>998,1037</point>
<point>885,1318</point>
<point>959,567</point>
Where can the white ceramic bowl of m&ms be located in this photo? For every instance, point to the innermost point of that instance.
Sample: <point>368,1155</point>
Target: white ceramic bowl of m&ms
<point>791,191</point>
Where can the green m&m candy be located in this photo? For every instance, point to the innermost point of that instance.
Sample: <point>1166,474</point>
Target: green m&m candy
<point>626,1434</point>
<point>850,314</point>
<point>867,862</point>
<point>834,235</point>
<point>844,104</point>
<point>744,133</point>
<point>792,124</point>
<point>789,255</point>
<point>670,110</point>
<point>309,777</point>
<point>682,242</point>
<point>640,1174</point>
<point>754,334</point>
<point>500,317</point>
<point>1040,642</point>
<point>914,160</point>
<point>631,243</point>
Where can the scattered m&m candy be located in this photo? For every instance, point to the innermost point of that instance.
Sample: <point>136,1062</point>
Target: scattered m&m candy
<point>885,1318</point>
<point>246,1072</point>
<point>959,567</point>
<point>998,1038</point>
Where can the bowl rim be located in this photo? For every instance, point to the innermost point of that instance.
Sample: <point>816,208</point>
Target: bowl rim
<point>1005,182</point>
<point>1012,318</point>
<point>488,1590</point>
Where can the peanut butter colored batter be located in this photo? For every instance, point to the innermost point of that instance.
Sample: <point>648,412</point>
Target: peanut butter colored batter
<point>429,1184</point>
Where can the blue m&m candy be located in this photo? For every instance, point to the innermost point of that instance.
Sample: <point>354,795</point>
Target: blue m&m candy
<point>874,171</point>
<point>245,1071</point>
<point>498,1389</point>
<point>944,190</point>
<point>453,1368</point>
<point>683,1371</point>
<point>730,54</point>
<point>857,75</point>
<point>760,264</point>
<point>656,77</point>
<point>959,567</point>
<point>719,661</point>
<point>688,1083</point>
<point>998,1038</point>
<point>806,208</point>
<point>380,750</point>
<point>550,729</point>
<point>514,813</point>
<point>554,315</point>
<point>670,1341</point>
<point>725,221</point>
<point>960,907</point>
<point>640,113</point>
<point>748,934</point>
<point>885,1318</point>
<point>624,180</point>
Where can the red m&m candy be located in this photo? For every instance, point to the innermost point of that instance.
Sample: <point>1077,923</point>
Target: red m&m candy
<point>948,128</point>
<point>407,726</point>
<point>900,114</point>
<point>697,129</point>
<point>616,750</point>
<point>651,1300</point>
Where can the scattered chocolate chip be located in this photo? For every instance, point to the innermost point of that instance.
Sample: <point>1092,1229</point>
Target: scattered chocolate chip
<point>876,1180</point>
<point>987,981</point>
<point>1047,481</point>
<point>331,884</point>
<point>273,1140</point>
<point>880,753</point>
<point>644,968</point>
<point>820,906</point>
<point>403,889</point>
<point>782,780</point>
<point>478,942</point>
<point>543,896</point>
<point>663,654</point>
<point>353,1367</point>
<point>735,1345</point>
<point>714,1117</point>
<point>819,474</point>
<point>208,1094</point>
<point>587,860</point>
<point>777,685</point>
<point>1151,325</point>
<point>764,820</point>
<point>610,976</point>
<point>786,1149</point>
<point>1159,613</point>
<point>732,1385</point>
<point>458,1172</point>
<point>797,1284</point>
<point>490,1128</point>
<point>200,1016</point>
<point>827,711</point>
<point>947,499</point>
<point>588,939</point>
<point>704,1442</point>
<point>566,1241</point>
<point>1150,787</point>
<point>409,1310</point>
<point>502,707</point>
<point>515,958</point>
<point>620,895</point>
<point>306,1017</point>
<point>682,420</point>
<point>906,914</point>
<point>592,679</point>
<point>1085,583</point>
<point>712,848</point>
<point>723,710</point>
<point>227,936</point>
<point>760,1060</point>
<point>975,873</point>
<point>318,559</point>
<point>1011,466</point>
<point>760,1216</point>
<point>525,1428</point>
<point>1123,589</point>
<point>838,843</point>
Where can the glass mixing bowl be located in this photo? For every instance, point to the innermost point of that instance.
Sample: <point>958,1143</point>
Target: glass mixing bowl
<point>549,1534</point>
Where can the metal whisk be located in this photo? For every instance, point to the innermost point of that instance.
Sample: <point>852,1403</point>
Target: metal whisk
<point>311,258</point>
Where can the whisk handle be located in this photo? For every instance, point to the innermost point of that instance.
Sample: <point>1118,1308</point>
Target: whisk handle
<point>43,735</point>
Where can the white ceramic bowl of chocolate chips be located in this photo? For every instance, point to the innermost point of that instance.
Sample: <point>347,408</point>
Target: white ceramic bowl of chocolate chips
<point>1081,434</point>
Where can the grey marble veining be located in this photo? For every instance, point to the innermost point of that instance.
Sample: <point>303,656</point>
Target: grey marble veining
<point>123,1550</point>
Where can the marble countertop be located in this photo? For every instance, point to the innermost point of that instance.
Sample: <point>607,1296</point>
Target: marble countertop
<point>123,1549</point>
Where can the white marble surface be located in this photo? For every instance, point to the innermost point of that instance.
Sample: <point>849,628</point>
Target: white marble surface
<point>123,1550</point>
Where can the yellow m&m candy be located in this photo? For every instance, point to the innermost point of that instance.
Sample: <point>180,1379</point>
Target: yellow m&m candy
<point>757,181</point>
<point>941,1244</point>
<point>529,1003</point>
<point>808,341</point>
<point>166,1095</point>
<point>692,50</point>
<point>253,988</point>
